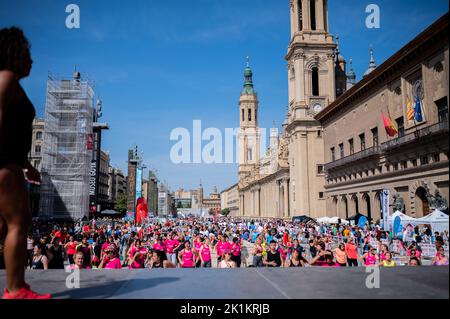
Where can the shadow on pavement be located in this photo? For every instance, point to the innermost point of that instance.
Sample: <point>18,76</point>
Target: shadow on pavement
<point>109,290</point>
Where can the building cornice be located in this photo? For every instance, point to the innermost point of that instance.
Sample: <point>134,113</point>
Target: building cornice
<point>434,35</point>
<point>277,175</point>
<point>391,175</point>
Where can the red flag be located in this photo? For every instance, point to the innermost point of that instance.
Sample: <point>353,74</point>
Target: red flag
<point>391,130</point>
<point>216,217</point>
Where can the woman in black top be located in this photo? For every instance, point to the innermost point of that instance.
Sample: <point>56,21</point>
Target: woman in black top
<point>55,255</point>
<point>40,261</point>
<point>296,260</point>
<point>16,117</point>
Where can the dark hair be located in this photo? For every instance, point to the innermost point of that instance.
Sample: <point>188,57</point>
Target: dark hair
<point>235,240</point>
<point>14,49</point>
<point>416,259</point>
<point>161,255</point>
<point>272,242</point>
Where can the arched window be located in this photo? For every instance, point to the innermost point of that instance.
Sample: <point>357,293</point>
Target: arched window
<point>315,81</point>
<point>249,154</point>
<point>312,7</point>
<point>243,117</point>
<point>300,15</point>
<point>249,115</point>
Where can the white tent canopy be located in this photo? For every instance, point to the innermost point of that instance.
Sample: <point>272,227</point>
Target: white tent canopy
<point>405,219</point>
<point>331,220</point>
<point>437,219</point>
<point>325,220</point>
<point>335,220</point>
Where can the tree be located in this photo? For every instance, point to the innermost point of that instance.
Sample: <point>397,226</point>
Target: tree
<point>212,211</point>
<point>225,212</point>
<point>121,203</point>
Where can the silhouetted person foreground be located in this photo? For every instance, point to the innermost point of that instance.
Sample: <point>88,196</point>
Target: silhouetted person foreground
<point>16,117</point>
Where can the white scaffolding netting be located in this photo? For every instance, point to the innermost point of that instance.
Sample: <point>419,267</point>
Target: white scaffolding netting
<point>66,156</point>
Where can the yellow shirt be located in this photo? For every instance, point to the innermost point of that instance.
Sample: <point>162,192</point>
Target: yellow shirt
<point>388,264</point>
<point>346,232</point>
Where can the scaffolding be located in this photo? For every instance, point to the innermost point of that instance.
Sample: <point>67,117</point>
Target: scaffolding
<point>67,149</point>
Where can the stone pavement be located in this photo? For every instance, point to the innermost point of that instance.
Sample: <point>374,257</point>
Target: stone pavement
<point>250,283</point>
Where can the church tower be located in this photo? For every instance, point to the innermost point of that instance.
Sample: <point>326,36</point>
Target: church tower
<point>249,136</point>
<point>312,87</point>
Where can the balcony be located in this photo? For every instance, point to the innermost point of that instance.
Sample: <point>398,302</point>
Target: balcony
<point>364,154</point>
<point>424,133</point>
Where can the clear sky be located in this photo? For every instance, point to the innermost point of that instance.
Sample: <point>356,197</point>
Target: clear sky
<point>160,64</point>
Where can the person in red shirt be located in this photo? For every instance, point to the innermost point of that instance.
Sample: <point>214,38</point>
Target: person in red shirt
<point>351,250</point>
<point>71,247</point>
<point>86,229</point>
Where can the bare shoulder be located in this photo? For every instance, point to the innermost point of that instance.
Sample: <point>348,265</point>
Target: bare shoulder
<point>7,78</point>
<point>8,85</point>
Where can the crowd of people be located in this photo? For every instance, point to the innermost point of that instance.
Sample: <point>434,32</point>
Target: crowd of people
<point>203,243</point>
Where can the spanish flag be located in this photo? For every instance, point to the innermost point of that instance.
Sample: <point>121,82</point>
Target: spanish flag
<point>409,109</point>
<point>390,127</point>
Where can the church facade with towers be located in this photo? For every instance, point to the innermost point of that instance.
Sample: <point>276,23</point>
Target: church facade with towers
<point>291,178</point>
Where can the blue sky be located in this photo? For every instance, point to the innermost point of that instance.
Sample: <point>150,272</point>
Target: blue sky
<point>160,64</point>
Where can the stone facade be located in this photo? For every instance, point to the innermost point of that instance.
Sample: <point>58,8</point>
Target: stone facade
<point>289,180</point>
<point>362,159</point>
<point>229,198</point>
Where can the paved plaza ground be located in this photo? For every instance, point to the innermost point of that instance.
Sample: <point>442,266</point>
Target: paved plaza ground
<point>249,283</point>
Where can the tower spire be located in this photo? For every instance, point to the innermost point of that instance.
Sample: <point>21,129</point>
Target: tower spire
<point>248,79</point>
<point>372,65</point>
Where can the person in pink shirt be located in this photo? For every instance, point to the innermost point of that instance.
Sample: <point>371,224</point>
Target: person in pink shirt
<point>110,259</point>
<point>205,253</point>
<point>221,246</point>
<point>370,258</point>
<point>329,260</point>
<point>197,245</point>
<point>236,251</point>
<point>187,257</point>
<point>159,245</point>
<point>383,252</point>
<point>138,254</point>
<point>170,244</point>
<point>78,262</point>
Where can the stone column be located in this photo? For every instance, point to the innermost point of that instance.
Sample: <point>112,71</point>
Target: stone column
<point>305,8</point>
<point>286,198</point>
<point>258,208</point>
<point>320,15</point>
<point>299,94</point>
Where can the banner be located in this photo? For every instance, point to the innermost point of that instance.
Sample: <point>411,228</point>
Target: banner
<point>385,208</point>
<point>397,231</point>
<point>428,250</point>
<point>362,221</point>
<point>138,183</point>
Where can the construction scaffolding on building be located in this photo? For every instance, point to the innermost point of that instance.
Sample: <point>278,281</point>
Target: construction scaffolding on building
<point>67,149</point>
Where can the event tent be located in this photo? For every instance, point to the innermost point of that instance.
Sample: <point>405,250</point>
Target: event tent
<point>325,220</point>
<point>437,219</point>
<point>405,219</point>
<point>337,220</point>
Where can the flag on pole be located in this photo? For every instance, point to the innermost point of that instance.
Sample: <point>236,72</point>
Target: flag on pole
<point>418,110</point>
<point>409,109</point>
<point>390,127</point>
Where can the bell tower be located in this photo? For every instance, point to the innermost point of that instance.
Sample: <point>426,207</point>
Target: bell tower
<point>312,87</point>
<point>249,136</point>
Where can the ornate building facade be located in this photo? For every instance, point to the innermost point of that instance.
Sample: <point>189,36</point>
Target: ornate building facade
<point>289,180</point>
<point>292,179</point>
<point>363,160</point>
